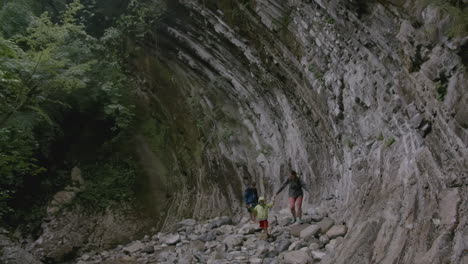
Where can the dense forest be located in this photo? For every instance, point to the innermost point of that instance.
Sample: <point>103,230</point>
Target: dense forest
<point>67,98</point>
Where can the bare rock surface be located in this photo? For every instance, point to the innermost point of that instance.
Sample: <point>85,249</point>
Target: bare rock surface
<point>235,247</point>
<point>325,225</point>
<point>12,253</point>
<point>310,231</point>
<point>337,231</point>
<point>365,99</point>
<point>297,257</point>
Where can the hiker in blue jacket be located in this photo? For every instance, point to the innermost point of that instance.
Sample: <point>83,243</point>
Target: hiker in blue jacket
<point>251,200</point>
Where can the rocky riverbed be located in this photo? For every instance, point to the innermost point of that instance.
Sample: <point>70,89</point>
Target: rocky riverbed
<point>220,240</point>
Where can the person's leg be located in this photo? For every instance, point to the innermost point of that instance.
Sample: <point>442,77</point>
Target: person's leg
<point>291,207</point>
<point>254,216</point>
<point>299,207</point>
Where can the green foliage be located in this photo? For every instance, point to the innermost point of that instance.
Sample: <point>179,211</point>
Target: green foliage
<point>156,132</point>
<point>15,17</point>
<point>441,90</point>
<point>142,17</point>
<point>348,142</point>
<point>459,15</point>
<point>227,134</point>
<point>5,196</point>
<point>330,20</point>
<point>49,60</point>
<point>380,137</point>
<point>48,67</point>
<point>285,20</point>
<point>389,141</point>
<point>318,74</point>
<point>17,145</point>
<point>108,184</point>
<point>267,150</point>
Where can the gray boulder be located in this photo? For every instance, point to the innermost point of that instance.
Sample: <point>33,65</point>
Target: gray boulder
<point>331,245</point>
<point>197,245</point>
<point>186,222</point>
<point>172,239</point>
<point>17,255</point>
<point>224,220</point>
<point>283,245</point>
<point>318,255</point>
<point>134,247</point>
<point>233,241</point>
<point>60,199</point>
<point>76,177</point>
<point>310,231</point>
<point>297,257</point>
<point>324,239</point>
<point>296,230</point>
<point>248,229</point>
<point>325,225</point>
<point>337,231</point>
<point>296,245</point>
<point>206,237</point>
<point>148,250</point>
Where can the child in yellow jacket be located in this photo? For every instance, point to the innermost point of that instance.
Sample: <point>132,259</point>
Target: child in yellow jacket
<point>261,211</point>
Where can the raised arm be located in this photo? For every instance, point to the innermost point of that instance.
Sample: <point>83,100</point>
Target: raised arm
<point>282,186</point>
<point>270,205</point>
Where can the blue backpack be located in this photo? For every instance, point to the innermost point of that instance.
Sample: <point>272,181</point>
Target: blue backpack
<point>251,196</point>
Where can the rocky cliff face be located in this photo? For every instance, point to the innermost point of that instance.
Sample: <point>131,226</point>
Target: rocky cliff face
<point>366,99</point>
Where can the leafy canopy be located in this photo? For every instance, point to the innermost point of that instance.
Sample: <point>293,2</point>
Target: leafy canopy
<point>48,68</point>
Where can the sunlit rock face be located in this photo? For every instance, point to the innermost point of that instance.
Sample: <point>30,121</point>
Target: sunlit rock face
<point>367,101</point>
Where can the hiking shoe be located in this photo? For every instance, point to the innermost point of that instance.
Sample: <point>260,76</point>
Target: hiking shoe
<point>293,220</point>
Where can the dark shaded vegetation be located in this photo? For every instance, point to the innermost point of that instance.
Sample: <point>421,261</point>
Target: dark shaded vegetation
<point>463,53</point>
<point>361,7</point>
<point>66,99</point>
<point>441,86</point>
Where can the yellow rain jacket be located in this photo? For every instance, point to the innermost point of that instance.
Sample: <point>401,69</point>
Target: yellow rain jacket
<point>262,211</point>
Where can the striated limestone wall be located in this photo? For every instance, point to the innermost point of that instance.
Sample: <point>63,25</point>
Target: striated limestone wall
<point>349,93</point>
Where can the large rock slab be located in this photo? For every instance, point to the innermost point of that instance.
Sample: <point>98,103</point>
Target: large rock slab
<point>283,245</point>
<point>16,255</point>
<point>187,222</point>
<point>310,231</point>
<point>448,208</point>
<point>224,220</point>
<point>325,225</point>
<point>197,245</point>
<point>172,239</point>
<point>60,199</point>
<point>297,257</point>
<point>248,228</point>
<point>318,255</point>
<point>296,230</point>
<point>233,241</point>
<point>337,231</point>
<point>134,247</point>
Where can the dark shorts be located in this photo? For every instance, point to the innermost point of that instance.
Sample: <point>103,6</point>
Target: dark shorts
<point>264,224</point>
